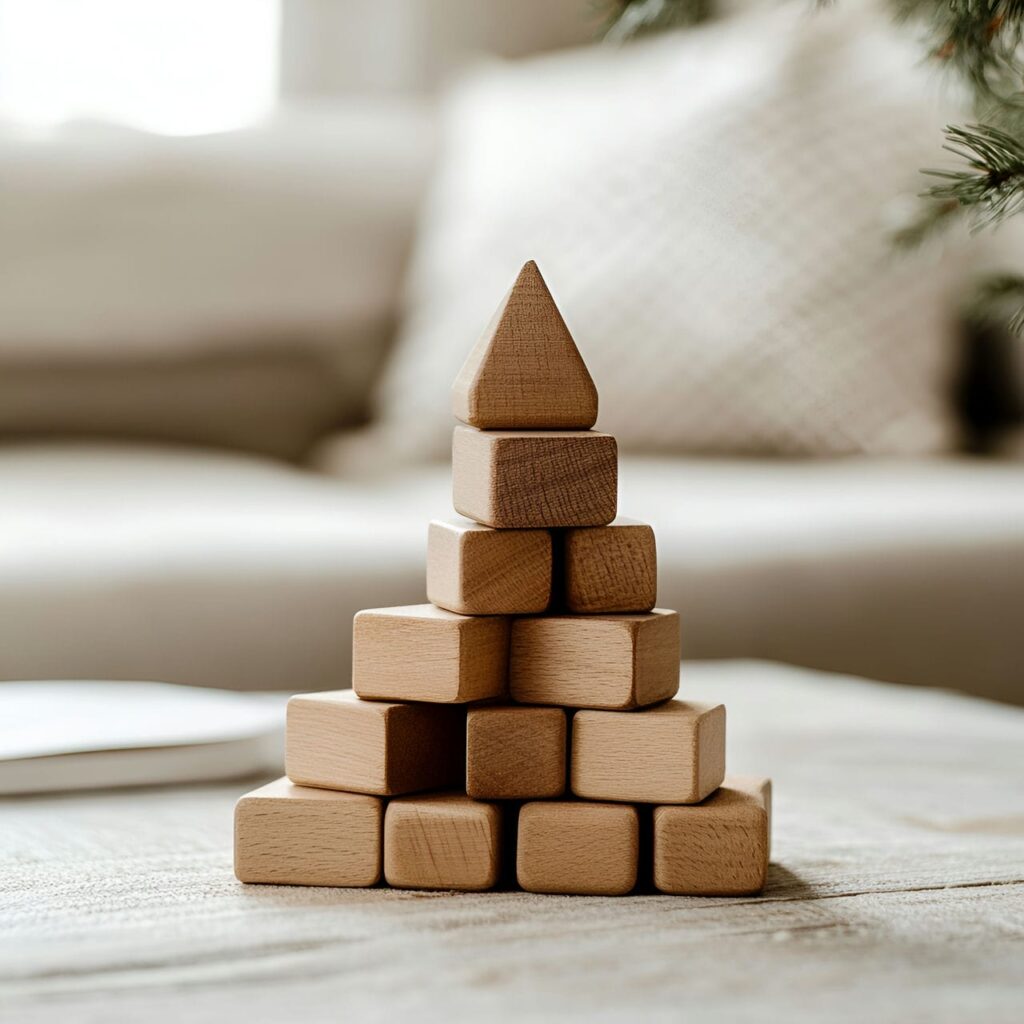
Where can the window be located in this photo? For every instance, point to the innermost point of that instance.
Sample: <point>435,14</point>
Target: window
<point>179,67</point>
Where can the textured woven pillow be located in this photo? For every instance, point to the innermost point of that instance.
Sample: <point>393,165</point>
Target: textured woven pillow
<point>710,211</point>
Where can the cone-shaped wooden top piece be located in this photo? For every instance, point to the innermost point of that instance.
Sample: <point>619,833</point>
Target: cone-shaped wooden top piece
<point>525,372</point>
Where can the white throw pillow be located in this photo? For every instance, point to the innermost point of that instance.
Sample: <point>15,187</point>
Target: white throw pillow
<point>712,212</point>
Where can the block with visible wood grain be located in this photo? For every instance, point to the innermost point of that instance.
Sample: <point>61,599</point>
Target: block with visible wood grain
<point>442,841</point>
<point>534,479</point>
<point>611,568</point>
<point>525,372</point>
<point>515,753</point>
<point>672,753</point>
<point>475,570</point>
<point>716,848</point>
<point>290,835</point>
<point>616,662</point>
<point>425,653</point>
<point>337,741</point>
<point>577,848</point>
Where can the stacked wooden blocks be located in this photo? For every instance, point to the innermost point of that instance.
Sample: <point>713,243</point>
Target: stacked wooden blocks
<point>540,664</point>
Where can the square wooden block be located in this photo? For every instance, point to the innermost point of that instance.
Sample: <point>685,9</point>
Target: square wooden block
<point>515,753</point>
<point>716,848</point>
<point>337,741</point>
<point>534,478</point>
<point>673,753</point>
<point>474,570</point>
<point>421,652</point>
<point>289,835</point>
<point>611,568</point>
<point>442,841</point>
<point>595,661</point>
<point>577,848</point>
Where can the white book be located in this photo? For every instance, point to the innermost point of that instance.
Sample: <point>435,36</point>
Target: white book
<point>88,734</point>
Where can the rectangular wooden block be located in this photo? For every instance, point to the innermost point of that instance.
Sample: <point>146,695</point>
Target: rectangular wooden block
<point>595,661</point>
<point>337,741</point>
<point>716,848</point>
<point>611,568</point>
<point>442,841</point>
<point>673,753</point>
<point>475,570</point>
<point>577,848</point>
<point>515,753</point>
<point>424,653</point>
<point>289,835</point>
<point>534,478</point>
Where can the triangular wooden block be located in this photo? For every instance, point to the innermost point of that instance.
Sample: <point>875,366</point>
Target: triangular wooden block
<point>525,371</point>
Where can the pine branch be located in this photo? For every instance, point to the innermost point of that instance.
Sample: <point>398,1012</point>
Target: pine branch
<point>629,19</point>
<point>1000,300</point>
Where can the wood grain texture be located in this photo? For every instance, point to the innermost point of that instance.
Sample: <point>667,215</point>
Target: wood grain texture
<point>525,372</point>
<point>577,848</point>
<point>515,753</point>
<point>290,835</point>
<point>534,479</point>
<point>424,653</point>
<point>615,662</point>
<point>474,570</point>
<point>442,841</point>
<point>673,753</point>
<point>337,741</point>
<point>716,848</point>
<point>611,568</point>
<point>895,895</point>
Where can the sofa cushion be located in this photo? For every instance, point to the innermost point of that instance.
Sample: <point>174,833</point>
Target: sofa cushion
<point>158,563</point>
<point>236,289</point>
<point>712,211</point>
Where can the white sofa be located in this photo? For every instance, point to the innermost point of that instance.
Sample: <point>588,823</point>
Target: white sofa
<point>135,561</point>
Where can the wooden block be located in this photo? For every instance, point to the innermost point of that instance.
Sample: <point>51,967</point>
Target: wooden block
<point>673,753</point>
<point>533,479</point>
<point>716,848</point>
<point>525,372</point>
<point>515,753</point>
<point>289,835</point>
<point>595,661</point>
<point>474,570</point>
<point>421,652</point>
<point>442,841</point>
<point>337,741</point>
<point>610,568</point>
<point>577,848</point>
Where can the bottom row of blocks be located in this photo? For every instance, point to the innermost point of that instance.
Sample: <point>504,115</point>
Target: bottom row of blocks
<point>296,835</point>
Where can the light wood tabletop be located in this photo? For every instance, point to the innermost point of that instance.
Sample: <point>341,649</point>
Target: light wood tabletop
<point>896,893</point>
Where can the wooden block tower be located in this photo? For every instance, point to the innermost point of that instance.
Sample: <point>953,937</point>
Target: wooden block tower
<point>523,727</point>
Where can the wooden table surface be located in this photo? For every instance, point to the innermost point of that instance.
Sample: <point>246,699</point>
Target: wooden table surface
<point>896,893</point>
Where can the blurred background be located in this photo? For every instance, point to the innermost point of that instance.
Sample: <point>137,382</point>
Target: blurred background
<point>246,244</point>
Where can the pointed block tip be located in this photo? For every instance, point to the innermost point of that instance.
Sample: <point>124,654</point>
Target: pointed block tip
<point>525,372</point>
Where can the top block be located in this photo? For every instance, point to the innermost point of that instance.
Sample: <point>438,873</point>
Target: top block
<point>525,372</point>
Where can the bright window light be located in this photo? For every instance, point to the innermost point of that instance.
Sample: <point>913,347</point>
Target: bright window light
<point>179,67</point>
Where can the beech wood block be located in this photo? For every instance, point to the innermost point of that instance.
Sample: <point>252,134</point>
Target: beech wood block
<point>290,835</point>
<point>515,753</point>
<point>611,568</point>
<point>337,741</point>
<point>534,479</point>
<point>595,661</point>
<point>578,848</point>
<point>442,841</point>
<point>716,848</point>
<point>673,753</point>
<point>421,652</point>
<point>525,371</point>
<point>474,570</point>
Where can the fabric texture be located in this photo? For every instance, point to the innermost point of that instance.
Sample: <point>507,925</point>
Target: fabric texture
<point>234,289</point>
<point>712,212</point>
<point>216,569</point>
